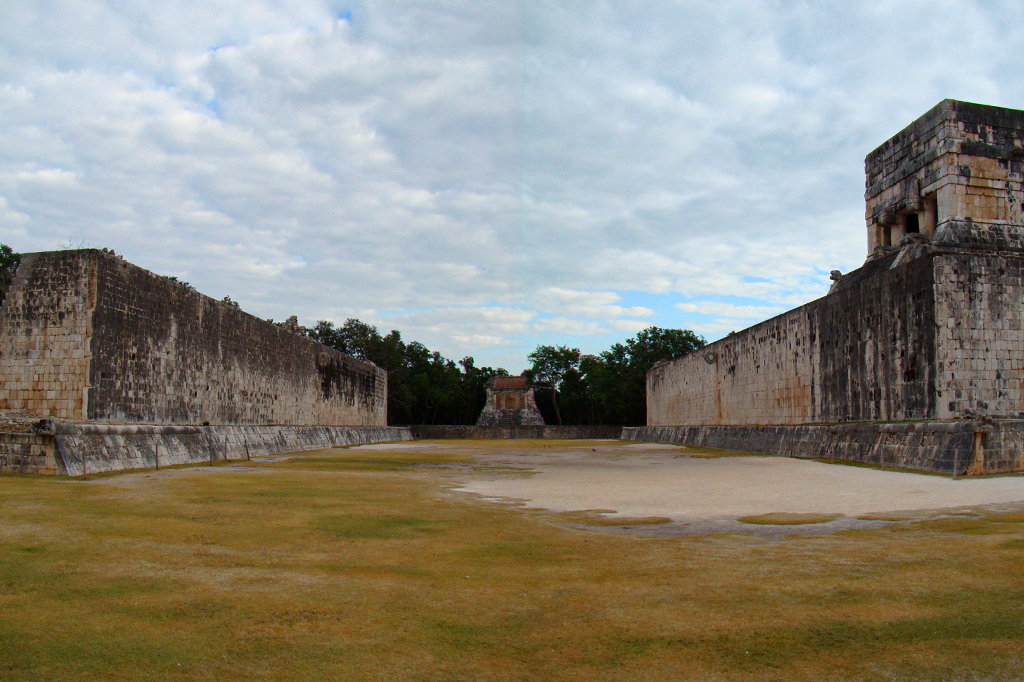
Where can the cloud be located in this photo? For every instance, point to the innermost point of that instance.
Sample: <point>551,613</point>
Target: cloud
<point>588,304</point>
<point>730,310</point>
<point>491,326</point>
<point>484,176</point>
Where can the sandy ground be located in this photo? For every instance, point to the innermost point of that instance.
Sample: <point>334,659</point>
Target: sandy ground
<point>706,494</point>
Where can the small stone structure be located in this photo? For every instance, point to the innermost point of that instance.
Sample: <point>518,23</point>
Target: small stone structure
<point>931,327</point>
<point>88,337</point>
<point>510,402</point>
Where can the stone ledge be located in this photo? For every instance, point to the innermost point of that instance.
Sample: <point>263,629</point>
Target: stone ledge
<point>514,432</point>
<point>109,448</point>
<point>946,447</point>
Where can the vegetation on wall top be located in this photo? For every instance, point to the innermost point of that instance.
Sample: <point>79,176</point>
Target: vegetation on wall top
<point>8,265</point>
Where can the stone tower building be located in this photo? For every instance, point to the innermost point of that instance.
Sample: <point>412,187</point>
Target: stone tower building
<point>954,176</point>
<point>510,402</point>
<point>931,327</point>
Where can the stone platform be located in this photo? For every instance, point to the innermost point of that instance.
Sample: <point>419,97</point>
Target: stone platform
<point>960,447</point>
<point>71,449</point>
<point>507,432</point>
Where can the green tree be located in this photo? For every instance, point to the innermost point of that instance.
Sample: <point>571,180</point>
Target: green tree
<point>551,365</point>
<point>620,379</point>
<point>8,265</point>
<point>424,387</point>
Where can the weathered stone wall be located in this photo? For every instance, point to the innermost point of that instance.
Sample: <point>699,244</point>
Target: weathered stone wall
<point>119,448</point>
<point>760,375</point>
<point>570,432</point>
<point>144,349</point>
<point>45,330</point>
<point>944,447</point>
<point>960,161</point>
<point>26,453</point>
<point>980,333</point>
<point>876,342</point>
<point>92,448</point>
<point>864,352</point>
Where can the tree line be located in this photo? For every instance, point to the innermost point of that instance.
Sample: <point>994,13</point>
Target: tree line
<point>424,387</point>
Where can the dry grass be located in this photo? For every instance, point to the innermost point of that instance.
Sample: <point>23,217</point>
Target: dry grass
<point>354,565</point>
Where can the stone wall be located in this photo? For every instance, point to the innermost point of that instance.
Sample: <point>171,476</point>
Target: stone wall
<point>86,335</point>
<point>876,342</point>
<point>515,432</point>
<point>980,333</point>
<point>764,373</point>
<point>864,352</point>
<point>120,448</point>
<point>25,453</point>
<point>90,448</point>
<point>942,447</point>
<point>45,333</point>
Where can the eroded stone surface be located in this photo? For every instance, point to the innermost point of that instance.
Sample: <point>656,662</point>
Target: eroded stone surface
<point>86,335</point>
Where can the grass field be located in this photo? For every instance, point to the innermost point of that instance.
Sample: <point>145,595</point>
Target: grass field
<point>355,565</point>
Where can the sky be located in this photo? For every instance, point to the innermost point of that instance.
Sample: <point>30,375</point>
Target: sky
<point>482,176</point>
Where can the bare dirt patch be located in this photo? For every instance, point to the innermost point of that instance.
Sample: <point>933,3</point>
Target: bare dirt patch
<point>697,491</point>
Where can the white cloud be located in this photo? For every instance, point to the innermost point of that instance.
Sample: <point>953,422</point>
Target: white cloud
<point>565,326</point>
<point>486,175</point>
<point>9,216</point>
<point>588,304</point>
<point>730,310</point>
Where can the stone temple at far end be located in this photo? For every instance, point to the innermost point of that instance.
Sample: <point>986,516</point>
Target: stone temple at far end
<point>510,402</point>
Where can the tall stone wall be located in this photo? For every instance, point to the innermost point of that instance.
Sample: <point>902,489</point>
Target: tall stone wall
<point>980,333</point>
<point>141,348</point>
<point>864,352</point>
<point>45,333</point>
<point>876,341</point>
<point>764,374</point>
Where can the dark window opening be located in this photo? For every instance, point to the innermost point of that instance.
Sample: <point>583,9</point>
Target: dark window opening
<point>913,223</point>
